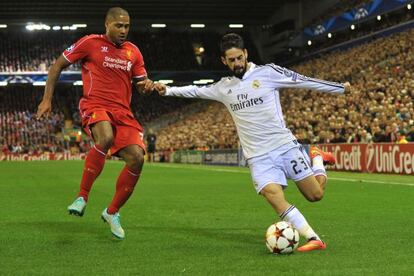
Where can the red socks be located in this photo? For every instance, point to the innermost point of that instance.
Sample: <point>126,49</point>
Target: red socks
<point>94,163</point>
<point>124,188</point>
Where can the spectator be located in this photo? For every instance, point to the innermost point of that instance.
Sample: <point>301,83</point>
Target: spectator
<point>151,141</point>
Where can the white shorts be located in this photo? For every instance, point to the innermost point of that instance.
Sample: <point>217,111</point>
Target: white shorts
<point>289,161</point>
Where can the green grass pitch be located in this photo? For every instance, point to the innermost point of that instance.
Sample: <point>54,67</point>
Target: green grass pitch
<point>197,220</point>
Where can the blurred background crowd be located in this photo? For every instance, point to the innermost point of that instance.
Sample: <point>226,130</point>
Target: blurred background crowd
<point>378,109</point>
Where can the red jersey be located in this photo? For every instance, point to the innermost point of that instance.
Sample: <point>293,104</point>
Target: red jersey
<point>107,71</point>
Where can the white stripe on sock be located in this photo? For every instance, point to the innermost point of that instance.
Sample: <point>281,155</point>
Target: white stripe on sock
<point>101,152</point>
<point>134,174</point>
<point>298,221</point>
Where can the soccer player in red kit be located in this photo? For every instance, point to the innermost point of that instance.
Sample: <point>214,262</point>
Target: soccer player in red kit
<point>110,64</point>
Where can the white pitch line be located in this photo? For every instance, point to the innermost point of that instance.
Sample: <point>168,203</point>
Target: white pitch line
<point>371,181</point>
<point>247,172</point>
<point>200,168</point>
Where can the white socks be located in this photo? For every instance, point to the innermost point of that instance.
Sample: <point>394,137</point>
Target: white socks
<point>294,216</point>
<point>317,166</point>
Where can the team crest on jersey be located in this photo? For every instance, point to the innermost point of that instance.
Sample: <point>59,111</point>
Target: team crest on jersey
<point>256,84</point>
<point>70,48</point>
<point>129,53</point>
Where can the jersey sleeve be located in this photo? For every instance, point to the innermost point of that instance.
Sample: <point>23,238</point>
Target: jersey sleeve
<point>284,78</point>
<point>138,68</point>
<point>79,50</point>
<point>209,92</point>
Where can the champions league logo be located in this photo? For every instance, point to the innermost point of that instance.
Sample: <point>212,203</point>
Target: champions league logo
<point>360,13</point>
<point>70,48</point>
<point>320,29</point>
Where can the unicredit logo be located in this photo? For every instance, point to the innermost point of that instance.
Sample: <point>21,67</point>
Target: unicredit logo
<point>369,158</point>
<point>348,160</point>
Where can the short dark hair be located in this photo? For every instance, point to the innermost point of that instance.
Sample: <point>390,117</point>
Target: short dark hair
<point>114,12</point>
<point>229,41</point>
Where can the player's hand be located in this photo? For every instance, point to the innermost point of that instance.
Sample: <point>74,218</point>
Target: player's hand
<point>347,87</point>
<point>44,108</point>
<point>145,86</point>
<point>160,88</point>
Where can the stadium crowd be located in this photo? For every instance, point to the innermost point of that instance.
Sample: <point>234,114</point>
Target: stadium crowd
<point>21,132</point>
<point>379,108</point>
<point>42,48</point>
<point>210,128</point>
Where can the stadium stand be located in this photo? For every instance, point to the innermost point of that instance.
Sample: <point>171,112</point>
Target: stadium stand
<point>22,133</point>
<point>337,9</point>
<point>382,96</point>
<point>60,131</point>
<point>211,128</point>
<point>380,108</point>
<point>363,29</point>
<point>41,49</point>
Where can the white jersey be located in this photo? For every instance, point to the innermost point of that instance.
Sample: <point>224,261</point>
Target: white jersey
<point>254,103</point>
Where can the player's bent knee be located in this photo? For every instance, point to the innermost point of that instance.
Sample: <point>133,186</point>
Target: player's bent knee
<point>315,196</point>
<point>274,194</point>
<point>268,190</point>
<point>310,188</point>
<point>135,159</point>
<point>271,191</point>
<point>139,159</point>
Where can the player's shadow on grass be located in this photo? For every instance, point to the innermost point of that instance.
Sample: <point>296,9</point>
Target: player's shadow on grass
<point>64,228</point>
<point>236,235</point>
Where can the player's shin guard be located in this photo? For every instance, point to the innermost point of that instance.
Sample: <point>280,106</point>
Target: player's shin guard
<point>295,217</point>
<point>94,163</point>
<point>124,187</point>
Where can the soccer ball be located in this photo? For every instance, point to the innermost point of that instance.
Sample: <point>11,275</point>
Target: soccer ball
<point>282,238</point>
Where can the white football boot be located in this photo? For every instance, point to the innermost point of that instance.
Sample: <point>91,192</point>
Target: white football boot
<point>78,207</point>
<point>115,224</point>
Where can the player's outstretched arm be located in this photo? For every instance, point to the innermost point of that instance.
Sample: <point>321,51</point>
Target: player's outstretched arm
<point>45,106</point>
<point>209,92</point>
<point>285,78</point>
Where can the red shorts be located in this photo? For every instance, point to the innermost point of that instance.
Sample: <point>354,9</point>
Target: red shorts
<point>127,131</point>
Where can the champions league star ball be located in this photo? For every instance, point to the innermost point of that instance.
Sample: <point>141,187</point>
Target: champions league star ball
<point>282,238</point>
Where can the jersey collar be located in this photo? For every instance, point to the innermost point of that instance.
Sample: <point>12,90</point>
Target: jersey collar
<point>110,41</point>
<point>248,72</point>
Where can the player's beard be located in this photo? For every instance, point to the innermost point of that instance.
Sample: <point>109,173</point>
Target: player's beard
<point>239,71</point>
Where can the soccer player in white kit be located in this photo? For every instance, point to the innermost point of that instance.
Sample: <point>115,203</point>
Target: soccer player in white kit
<point>272,151</point>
